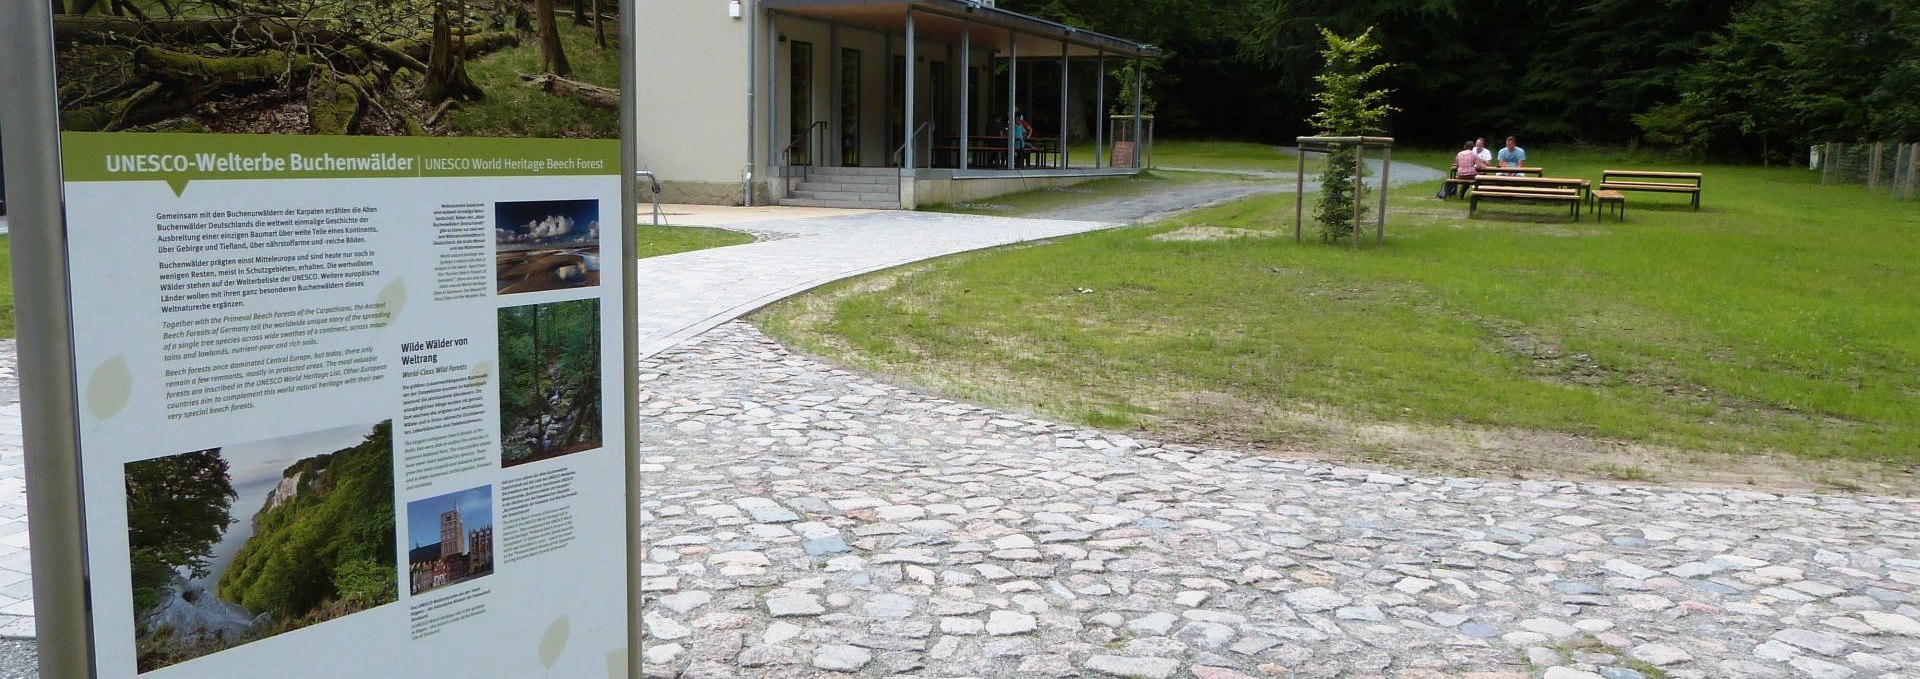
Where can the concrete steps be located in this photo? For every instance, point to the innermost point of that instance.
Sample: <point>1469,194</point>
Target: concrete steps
<point>846,204</point>
<point>869,188</point>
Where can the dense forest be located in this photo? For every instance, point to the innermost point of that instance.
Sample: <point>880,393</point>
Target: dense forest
<point>322,546</point>
<point>386,67</point>
<point>549,380</point>
<point>1743,78</point>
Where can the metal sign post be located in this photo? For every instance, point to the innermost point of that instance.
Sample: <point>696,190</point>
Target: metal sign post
<point>37,227</point>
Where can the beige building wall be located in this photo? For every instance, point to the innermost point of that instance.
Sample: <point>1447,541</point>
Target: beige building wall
<point>691,98</point>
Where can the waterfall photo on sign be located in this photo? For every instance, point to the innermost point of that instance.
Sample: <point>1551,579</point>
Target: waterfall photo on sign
<point>235,544</point>
<point>471,68</point>
<point>549,380</point>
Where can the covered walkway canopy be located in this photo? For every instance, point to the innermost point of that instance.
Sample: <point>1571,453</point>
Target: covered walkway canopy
<point>967,26</point>
<point>1032,35</point>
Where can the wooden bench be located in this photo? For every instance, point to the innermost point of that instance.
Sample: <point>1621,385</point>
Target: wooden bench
<point>1603,198</point>
<point>1452,180</point>
<point>1660,182</point>
<point>1496,181</point>
<point>1571,197</point>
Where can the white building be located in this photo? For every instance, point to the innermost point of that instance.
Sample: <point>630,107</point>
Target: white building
<point>806,102</point>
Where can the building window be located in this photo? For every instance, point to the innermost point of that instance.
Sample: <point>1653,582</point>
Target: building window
<point>800,103</point>
<point>850,108</point>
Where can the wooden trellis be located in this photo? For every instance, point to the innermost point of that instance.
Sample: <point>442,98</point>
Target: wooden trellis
<point>1359,145</point>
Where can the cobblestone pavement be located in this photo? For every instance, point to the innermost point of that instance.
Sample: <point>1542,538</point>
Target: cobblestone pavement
<point>805,521</point>
<point>16,573</point>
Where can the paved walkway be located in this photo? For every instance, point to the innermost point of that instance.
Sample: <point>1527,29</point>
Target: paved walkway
<point>804,520</point>
<point>682,296</point>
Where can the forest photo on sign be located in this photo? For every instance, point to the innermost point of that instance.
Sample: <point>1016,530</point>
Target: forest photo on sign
<point>549,380</point>
<point>471,68</point>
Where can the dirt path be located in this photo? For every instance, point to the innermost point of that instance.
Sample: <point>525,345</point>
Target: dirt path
<point>1176,198</point>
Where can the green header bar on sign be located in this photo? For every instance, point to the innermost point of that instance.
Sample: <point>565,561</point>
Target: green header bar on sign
<point>181,158</point>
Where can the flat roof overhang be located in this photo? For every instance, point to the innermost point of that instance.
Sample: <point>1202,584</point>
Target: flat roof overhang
<point>1038,38</point>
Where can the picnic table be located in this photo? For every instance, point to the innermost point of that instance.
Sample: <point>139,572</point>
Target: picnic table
<point>1659,182</point>
<point>991,152</point>
<point>1521,171</point>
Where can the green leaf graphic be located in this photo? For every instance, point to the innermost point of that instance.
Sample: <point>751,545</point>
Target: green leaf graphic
<point>554,641</point>
<point>617,663</point>
<point>109,388</point>
<point>392,299</point>
<point>481,372</point>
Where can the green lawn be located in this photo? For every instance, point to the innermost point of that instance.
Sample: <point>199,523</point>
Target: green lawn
<point>1029,203</point>
<point>1779,320</point>
<point>654,241</point>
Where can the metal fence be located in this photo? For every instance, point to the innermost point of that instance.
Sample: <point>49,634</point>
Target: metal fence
<point>1890,168</point>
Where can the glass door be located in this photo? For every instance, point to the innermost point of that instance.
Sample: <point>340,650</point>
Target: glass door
<point>800,103</point>
<point>849,108</point>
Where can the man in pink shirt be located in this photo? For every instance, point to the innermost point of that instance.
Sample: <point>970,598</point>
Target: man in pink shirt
<point>1467,164</point>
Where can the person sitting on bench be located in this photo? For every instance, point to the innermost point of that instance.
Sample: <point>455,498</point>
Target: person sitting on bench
<point>1512,155</point>
<point>1467,164</point>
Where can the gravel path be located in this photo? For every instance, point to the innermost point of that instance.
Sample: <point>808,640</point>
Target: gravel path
<point>806,520</point>
<point>1184,196</point>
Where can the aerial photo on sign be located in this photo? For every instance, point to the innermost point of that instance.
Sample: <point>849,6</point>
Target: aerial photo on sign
<point>238,543</point>
<point>546,245</point>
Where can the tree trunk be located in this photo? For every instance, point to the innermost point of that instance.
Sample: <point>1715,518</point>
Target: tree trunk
<point>591,95</point>
<point>539,370</point>
<point>333,103</point>
<point>599,26</point>
<point>446,64</point>
<point>579,12</point>
<point>59,6</point>
<point>553,59</point>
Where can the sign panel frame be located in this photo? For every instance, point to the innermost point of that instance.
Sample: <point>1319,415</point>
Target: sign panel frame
<point>65,589</point>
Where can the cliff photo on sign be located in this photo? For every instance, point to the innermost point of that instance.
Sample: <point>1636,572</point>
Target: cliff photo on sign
<point>239,543</point>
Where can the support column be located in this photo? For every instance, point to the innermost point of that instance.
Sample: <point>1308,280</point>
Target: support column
<point>1099,109</point>
<point>773,105</point>
<point>1359,182</point>
<point>966,92</point>
<point>1139,88</point>
<point>1386,169</point>
<point>1013,94</point>
<point>886,62</point>
<point>912,68</point>
<point>753,86</point>
<point>1064,63</point>
<point>1299,189</point>
<point>834,142</point>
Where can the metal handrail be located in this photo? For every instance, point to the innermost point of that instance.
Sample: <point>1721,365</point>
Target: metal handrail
<point>659,218</point>
<point>786,155</point>
<point>915,134</point>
